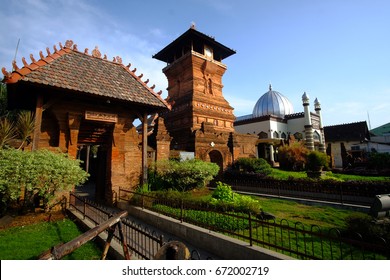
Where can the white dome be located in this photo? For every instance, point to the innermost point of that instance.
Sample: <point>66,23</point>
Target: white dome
<point>272,103</point>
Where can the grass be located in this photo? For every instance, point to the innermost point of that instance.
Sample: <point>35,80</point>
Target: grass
<point>296,215</point>
<point>324,216</point>
<point>28,242</point>
<point>287,175</point>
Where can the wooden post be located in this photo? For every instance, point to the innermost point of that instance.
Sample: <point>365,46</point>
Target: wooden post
<point>123,240</point>
<point>111,232</point>
<point>38,122</point>
<point>62,250</point>
<point>145,148</point>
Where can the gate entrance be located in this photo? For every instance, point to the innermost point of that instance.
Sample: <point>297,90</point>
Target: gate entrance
<point>216,157</point>
<point>94,150</point>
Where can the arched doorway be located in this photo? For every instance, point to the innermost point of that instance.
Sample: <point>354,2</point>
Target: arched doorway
<point>216,157</point>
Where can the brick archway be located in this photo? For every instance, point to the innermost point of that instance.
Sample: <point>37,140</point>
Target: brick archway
<point>215,156</point>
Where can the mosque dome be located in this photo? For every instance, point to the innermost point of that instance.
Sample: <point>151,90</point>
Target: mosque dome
<point>272,103</point>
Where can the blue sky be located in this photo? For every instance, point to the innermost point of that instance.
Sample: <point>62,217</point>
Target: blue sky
<point>337,51</point>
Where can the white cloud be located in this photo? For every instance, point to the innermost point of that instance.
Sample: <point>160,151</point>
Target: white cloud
<point>40,24</point>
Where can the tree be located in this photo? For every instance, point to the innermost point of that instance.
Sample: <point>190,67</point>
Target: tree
<point>317,160</point>
<point>37,173</point>
<point>293,156</point>
<point>16,127</point>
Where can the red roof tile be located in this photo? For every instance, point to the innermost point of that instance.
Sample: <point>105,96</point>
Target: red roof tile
<point>68,68</point>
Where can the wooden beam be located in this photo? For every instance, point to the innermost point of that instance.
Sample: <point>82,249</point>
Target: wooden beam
<point>60,251</point>
<point>145,149</point>
<point>38,122</point>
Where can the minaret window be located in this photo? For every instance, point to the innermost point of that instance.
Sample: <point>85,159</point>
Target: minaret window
<point>298,136</point>
<point>208,52</point>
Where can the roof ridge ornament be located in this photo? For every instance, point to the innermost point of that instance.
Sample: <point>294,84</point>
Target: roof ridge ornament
<point>193,26</point>
<point>24,61</point>
<point>270,87</point>
<point>32,58</point>
<point>15,67</point>
<point>96,52</point>
<point>68,44</point>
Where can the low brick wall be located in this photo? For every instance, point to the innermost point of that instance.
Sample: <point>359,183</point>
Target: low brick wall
<point>218,244</point>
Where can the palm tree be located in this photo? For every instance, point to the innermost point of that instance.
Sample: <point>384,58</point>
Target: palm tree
<point>10,131</point>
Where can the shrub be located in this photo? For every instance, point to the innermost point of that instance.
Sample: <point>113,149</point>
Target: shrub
<point>316,160</point>
<point>223,197</point>
<point>293,156</point>
<point>223,192</point>
<point>38,173</point>
<point>183,175</point>
<point>379,161</point>
<point>253,165</point>
<point>364,225</point>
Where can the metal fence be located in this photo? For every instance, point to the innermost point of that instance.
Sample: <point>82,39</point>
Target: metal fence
<point>140,240</point>
<point>291,238</point>
<point>357,193</point>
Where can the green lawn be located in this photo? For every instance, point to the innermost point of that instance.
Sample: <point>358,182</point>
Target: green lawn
<point>285,175</point>
<point>28,242</point>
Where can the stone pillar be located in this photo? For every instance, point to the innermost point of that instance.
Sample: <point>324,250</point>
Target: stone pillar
<point>271,154</point>
<point>309,139</point>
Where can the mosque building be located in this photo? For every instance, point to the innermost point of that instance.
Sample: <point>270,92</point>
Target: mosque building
<point>274,121</point>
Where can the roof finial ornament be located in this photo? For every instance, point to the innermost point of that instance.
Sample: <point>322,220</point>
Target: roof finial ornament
<point>5,72</point>
<point>32,58</point>
<point>55,48</point>
<point>15,67</point>
<point>69,43</point>
<point>96,52</point>
<point>86,51</point>
<point>193,26</point>
<point>48,51</point>
<point>270,86</point>
<point>24,61</point>
<point>41,55</point>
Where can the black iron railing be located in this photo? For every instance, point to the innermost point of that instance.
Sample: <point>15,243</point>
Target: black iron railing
<point>140,240</point>
<point>356,193</point>
<point>291,238</point>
